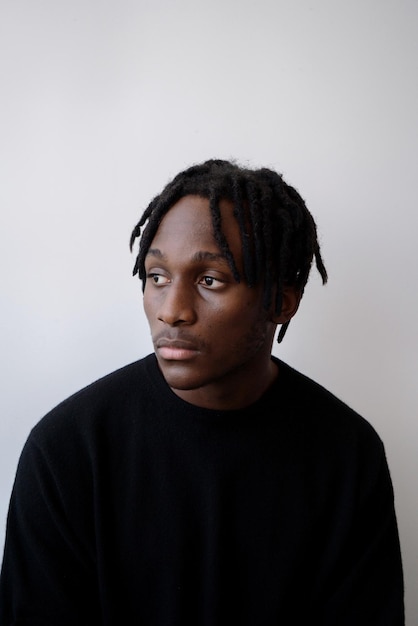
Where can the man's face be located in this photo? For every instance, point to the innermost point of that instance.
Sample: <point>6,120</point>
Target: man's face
<point>211,335</point>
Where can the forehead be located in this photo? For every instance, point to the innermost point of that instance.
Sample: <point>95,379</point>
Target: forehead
<point>189,222</point>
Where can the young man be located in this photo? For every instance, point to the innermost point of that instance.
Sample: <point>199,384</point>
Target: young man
<point>208,483</point>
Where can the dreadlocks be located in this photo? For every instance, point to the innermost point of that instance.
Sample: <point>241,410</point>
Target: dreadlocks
<point>278,233</point>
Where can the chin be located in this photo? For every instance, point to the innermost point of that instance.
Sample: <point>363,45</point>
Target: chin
<point>180,376</point>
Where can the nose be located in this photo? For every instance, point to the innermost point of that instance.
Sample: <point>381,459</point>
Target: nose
<point>177,305</point>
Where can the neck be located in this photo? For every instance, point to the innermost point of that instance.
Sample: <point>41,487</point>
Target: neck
<point>238,392</point>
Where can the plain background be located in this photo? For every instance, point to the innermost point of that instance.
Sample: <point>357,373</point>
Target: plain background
<point>102,102</point>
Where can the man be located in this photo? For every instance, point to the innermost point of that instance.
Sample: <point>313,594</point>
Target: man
<point>208,483</point>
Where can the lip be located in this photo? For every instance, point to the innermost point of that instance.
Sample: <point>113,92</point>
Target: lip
<point>175,349</point>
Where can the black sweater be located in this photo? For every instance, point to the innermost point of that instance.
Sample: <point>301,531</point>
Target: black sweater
<point>133,507</point>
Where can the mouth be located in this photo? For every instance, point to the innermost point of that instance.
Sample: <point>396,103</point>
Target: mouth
<point>175,349</point>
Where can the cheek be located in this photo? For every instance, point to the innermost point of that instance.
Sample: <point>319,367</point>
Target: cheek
<point>244,326</point>
<point>244,311</point>
<point>149,307</point>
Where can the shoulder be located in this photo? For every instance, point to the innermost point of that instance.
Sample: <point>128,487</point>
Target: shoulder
<point>334,444</point>
<point>324,417</point>
<point>112,397</point>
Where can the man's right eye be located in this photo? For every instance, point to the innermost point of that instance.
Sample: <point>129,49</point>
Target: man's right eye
<point>157,279</point>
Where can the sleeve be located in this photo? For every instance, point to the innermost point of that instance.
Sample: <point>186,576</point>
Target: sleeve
<point>368,588</point>
<point>48,570</point>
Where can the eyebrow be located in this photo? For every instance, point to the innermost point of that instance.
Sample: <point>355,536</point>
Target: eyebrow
<point>201,255</point>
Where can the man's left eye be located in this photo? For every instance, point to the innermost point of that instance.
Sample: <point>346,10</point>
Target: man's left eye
<point>210,281</point>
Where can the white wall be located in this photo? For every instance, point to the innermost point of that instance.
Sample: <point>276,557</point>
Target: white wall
<point>103,101</point>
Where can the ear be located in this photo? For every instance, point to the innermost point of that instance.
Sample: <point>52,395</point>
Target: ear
<point>290,303</point>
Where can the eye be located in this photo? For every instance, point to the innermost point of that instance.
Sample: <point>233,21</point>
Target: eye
<point>157,279</point>
<point>211,282</point>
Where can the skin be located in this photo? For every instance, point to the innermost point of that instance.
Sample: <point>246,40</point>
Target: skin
<point>211,335</point>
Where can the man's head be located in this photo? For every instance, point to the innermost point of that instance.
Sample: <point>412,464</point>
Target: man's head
<point>278,233</point>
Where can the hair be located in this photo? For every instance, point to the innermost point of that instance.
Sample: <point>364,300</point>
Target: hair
<point>278,233</point>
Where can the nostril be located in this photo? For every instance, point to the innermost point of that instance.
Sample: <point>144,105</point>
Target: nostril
<point>177,307</point>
